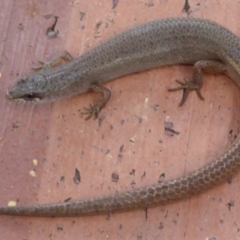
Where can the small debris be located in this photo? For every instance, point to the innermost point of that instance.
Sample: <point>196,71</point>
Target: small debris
<point>20,27</point>
<point>115,177</point>
<point>77,177</point>
<point>140,119</point>
<point>97,32</point>
<point>59,228</point>
<point>229,179</point>
<point>132,140</point>
<point>120,155</point>
<point>15,125</point>
<point>32,173</point>
<point>12,204</point>
<point>133,183</point>
<point>230,205</point>
<point>161,178</point>
<point>143,175</point>
<point>35,162</point>
<point>168,130</point>
<point>51,32</point>
<point>115,3</point>
<point>82,15</point>
<point>133,172</point>
<point>155,107</point>
<point>150,3</point>
<point>98,25</point>
<point>67,200</point>
<point>186,7</point>
<point>160,226</point>
<point>100,120</point>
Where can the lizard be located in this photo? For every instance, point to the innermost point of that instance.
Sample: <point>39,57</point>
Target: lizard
<point>208,46</point>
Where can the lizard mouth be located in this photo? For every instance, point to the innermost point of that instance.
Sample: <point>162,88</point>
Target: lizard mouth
<point>9,96</point>
<point>30,97</point>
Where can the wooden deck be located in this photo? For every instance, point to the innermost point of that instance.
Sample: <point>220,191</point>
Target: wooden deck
<point>41,146</point>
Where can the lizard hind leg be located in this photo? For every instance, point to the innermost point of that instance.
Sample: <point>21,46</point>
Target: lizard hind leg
<point>199,68</point>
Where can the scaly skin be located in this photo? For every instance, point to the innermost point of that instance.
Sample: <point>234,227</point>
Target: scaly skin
<point>210,47</point>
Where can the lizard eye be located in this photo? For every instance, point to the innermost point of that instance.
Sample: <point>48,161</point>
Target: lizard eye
<point>22,81</point>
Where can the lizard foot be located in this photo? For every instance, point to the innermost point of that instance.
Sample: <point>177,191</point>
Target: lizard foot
<point>187,86</point>
<point>92,111</point>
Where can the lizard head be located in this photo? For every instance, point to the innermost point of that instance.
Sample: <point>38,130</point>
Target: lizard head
<point>29,89</point>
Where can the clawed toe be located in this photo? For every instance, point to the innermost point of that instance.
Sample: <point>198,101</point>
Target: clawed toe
<point>91,111</point>
<point>187,86</point>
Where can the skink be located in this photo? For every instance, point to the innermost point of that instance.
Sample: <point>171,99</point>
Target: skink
<point>208,46</point>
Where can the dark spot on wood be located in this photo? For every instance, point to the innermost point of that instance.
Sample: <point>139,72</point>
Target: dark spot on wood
<point>77,177</point>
